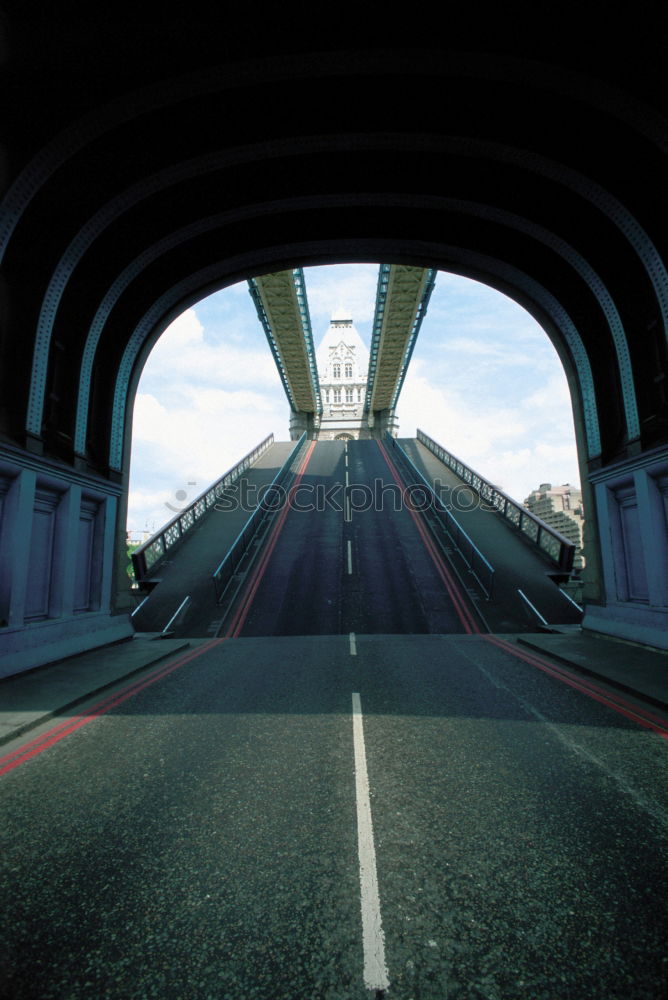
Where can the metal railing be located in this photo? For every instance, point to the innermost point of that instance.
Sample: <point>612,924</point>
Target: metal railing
<point>230,563</point>
<point>148,556</point>
<point>480,568</point>
<point>548,540</point>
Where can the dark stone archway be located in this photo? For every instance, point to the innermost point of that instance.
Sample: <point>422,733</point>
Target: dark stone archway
<point>149,162</point>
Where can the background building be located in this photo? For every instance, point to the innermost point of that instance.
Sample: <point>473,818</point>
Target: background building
<point>561,508</point>
<point>343,365</point>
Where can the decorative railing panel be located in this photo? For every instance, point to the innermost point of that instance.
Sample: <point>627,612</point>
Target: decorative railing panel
<point>151,553</point>
<point>550,541</point>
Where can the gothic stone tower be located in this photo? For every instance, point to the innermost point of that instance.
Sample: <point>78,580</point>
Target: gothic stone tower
<point>343,363</point>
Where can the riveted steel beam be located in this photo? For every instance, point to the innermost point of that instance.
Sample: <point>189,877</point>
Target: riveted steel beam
<point>281,303</point>
<point>402,297</point>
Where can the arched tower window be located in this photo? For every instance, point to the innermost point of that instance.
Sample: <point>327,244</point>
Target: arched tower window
<point>349,370</point>
<point>336,371</point>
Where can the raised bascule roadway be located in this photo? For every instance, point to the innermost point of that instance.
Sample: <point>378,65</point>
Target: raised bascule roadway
<point>354,556</point>
<point>304,590</point>
<point>342,749</point>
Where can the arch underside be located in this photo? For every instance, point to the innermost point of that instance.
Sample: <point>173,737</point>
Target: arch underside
<point>133,249</point>
<point>536,167</point>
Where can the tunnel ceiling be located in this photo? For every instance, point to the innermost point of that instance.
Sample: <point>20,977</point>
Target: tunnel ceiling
<point>148,162</point>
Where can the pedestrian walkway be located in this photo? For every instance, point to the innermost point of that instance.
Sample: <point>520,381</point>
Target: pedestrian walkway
<point>29,699</point>
<point>639,670</point>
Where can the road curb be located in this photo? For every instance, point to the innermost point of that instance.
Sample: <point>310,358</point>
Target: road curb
<point>597,674</point>
<point>28,725</point>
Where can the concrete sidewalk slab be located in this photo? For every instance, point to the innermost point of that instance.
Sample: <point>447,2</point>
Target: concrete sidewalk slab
<point>637,670</point>
<point>29,699</point>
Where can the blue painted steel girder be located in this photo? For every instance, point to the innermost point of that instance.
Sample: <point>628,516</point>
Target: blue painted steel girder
<point>282,307</point>
<point>402,297</point>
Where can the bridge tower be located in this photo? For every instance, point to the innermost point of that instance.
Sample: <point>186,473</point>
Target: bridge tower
<point>343,363</point>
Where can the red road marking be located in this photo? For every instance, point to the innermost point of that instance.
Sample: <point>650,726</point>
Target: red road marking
<point>614,701</point>
<point>58,732</point>
<point>253,583</point>
<point>617,702</point>
<point>466,618</point>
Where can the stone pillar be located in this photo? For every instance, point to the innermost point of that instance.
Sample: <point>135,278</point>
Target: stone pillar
<point>653,536</point>
<point>300,422</point>
<point>382,421</point>
<point>632,508</point>
<point>15,547</point>
<point>65,553</point>
<point>44,557</point>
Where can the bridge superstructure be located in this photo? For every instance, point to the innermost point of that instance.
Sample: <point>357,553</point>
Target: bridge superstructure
<point>282,307</point>
<point>402,297</point>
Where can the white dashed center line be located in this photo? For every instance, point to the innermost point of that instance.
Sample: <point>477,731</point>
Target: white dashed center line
<point>353,644</point>
<point>373,939</point>
<point>350,557</point>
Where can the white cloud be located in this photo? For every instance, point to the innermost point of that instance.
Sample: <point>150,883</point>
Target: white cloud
<point>209,393</point>
<point>209,416</point>
<point>149,418</point>
<point>184,331</point>
<point>516,445</point>
<point>147,510</point>
<point>183,348</point>
<point>341,286</point>
<point>465,423</point>
<point>486,382</point>
<point>553,394</point>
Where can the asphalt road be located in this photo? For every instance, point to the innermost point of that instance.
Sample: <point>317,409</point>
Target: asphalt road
<point>353,799</point>
<point>200,839</point>
<point>338,569</point>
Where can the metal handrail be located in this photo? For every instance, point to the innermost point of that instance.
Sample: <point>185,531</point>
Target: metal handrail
<point>230,562</point>
<point>548,540</point>
<point>154,550</point>
<point>479,566</point>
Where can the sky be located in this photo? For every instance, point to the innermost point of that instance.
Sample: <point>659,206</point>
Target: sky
<point>484,381</point>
